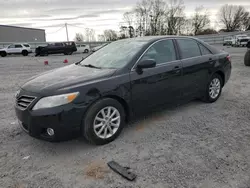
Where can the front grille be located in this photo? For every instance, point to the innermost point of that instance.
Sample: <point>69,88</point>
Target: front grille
<point>24,101</point>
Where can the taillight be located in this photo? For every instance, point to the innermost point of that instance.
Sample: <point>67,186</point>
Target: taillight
<point>228,58</point>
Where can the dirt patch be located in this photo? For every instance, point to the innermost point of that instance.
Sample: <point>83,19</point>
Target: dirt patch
<point>96,170</point>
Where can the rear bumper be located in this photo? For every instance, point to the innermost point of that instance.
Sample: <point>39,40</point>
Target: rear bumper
<point>227,71</point>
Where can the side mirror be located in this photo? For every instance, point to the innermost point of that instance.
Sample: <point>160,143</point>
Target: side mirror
<point>145,64</point>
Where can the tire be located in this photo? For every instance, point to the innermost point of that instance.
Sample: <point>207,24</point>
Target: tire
<point>3,54</point>
<point>86,51</point>
<point>208,95</point>
<point>25,52</point>
<point>91,134</point>
<point>247,58</point>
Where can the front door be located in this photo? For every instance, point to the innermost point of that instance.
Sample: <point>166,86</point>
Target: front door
<point>11,49</point>
<point>158,85</point>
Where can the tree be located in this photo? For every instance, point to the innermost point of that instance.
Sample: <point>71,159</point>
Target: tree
<point>142,11</point>
<point>101,38</point>
<point>186,27</point>
<point>233,17</point>
<point>246,23</point>
<point>200,20</point>
<point>128,18</point>
<point>175,17</point>
<point>123,32</point>
<point>110,35</point>
<point>89,34</point>
<point>78,37</point>
<point>157,15</point>
<point>207,32</point>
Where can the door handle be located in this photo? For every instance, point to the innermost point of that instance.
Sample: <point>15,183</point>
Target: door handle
<point>176,67</point>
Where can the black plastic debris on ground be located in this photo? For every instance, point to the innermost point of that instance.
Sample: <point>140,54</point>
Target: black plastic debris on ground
<point>123,171</point>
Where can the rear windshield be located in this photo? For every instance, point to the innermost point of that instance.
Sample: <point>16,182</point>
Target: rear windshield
<point>26,45</point>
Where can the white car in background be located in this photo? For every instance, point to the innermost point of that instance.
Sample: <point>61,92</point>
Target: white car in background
<point>240,40</point>
<point>23,49</point>
<point>83,48</point>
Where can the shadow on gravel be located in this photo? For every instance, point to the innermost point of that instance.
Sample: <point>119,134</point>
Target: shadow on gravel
<point>76,143</point>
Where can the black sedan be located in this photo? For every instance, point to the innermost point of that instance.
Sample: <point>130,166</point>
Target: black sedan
<point>123,79</point>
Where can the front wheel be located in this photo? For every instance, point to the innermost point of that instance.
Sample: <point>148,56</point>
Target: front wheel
<point>104,121</point>
<point>86,51</point>
<point>214,89</point>
<point>3,54</point>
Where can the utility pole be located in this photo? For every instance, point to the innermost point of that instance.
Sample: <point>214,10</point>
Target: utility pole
<point>66,26</point>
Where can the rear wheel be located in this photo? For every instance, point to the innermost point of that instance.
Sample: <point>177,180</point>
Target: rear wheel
<point>86,51</point>
<point>25,53</point>
<point>214,89</point>
<point>3,54</point>
<point>247,58</point>
<point>104,121</point>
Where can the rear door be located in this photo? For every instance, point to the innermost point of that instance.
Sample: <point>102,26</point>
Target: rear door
<point>18,48</point>
<point>196,60</point>
<point>158,85</point>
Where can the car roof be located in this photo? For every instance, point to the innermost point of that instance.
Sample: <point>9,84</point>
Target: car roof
<point>155,38</point>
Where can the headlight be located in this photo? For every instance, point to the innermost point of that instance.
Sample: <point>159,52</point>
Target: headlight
<point>57,100</point>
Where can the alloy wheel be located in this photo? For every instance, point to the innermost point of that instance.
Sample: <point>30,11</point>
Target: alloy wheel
<point>107,122</point>
<point>214,88</point>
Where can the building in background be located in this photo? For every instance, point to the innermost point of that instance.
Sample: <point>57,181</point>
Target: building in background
<point>10,34</point>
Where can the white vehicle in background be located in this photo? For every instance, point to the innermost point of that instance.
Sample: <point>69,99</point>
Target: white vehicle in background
<point>240,40</point>
<point>83,48</point>
<point>23,49</point>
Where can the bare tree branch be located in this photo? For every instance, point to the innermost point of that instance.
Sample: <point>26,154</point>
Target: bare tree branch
<point>233,17</point>
<point>200,20</point>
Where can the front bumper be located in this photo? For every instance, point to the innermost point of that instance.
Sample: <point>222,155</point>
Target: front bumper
<point>64,120</point>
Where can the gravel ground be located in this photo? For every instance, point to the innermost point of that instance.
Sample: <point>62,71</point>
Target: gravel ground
<point>193,145</point>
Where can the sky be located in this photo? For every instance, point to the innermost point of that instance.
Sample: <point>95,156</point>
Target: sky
<point>99,15</point>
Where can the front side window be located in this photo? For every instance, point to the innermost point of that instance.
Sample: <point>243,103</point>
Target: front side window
<point>12,46</point>
<point>114,55</point>
<point>188,48</point>
<point>161,52</point>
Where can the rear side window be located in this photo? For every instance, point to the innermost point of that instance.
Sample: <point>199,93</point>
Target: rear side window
<point>204,50</point>
<point>188,48</point>
<point>58,44</point>
<point>161,52</point>
<point>26,45</point>
<point>18,46</point>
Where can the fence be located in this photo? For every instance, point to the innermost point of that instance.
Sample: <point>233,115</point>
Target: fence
<point>219,38</point>
<point>34,45</point>
<point>211,39</point>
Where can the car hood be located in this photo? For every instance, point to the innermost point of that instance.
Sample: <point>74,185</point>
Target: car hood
<point>50,82</point>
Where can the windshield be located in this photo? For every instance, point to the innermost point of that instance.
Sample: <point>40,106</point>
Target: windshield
<point>114,55</point>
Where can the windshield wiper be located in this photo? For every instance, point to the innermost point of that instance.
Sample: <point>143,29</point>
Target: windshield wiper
<point>91,66</point>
